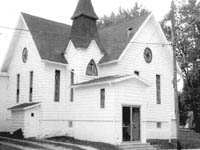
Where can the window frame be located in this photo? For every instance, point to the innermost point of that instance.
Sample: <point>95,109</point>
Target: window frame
<point>18,88</point>
<point>57,86</point>
<point>102,98</point>
<point>92,68</point>
<point>158,89</point>
<point>31,87</point>
<point>72,82</point>
<point>158,125</point>
<point>70,124</point>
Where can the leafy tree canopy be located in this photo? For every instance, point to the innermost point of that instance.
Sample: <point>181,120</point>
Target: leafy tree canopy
<point>121,16</point>
<point>187,43</point>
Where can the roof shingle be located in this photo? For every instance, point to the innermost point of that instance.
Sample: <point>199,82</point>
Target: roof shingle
<point>85,7</point>
<point>115,38</point>
<point>50,37</point>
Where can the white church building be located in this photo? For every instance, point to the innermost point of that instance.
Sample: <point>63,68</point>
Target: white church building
<point>111,85</point>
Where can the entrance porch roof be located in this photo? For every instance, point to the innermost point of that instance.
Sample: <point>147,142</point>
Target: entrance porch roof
<point>110,80</point>
<point>24,106</point>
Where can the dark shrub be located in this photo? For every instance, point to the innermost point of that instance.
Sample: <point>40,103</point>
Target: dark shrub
<point>18,134</point>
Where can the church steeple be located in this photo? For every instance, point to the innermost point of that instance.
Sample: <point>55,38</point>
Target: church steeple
<point>84,28</point>
<point>85,7</point>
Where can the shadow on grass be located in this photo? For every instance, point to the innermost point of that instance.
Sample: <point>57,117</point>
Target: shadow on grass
<point>97,145</point>
<point>185,144</point>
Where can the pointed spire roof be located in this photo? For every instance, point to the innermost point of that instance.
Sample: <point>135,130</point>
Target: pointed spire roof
<point>85,7</point>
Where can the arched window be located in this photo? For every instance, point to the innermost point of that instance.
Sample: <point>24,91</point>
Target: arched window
<point>92,69</point>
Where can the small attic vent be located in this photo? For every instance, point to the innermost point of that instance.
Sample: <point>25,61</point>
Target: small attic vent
<point>129,33</point>
<point>130,29</point>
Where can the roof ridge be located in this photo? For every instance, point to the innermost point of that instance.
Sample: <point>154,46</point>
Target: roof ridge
<point>22,13</point>
<point>119,23</point>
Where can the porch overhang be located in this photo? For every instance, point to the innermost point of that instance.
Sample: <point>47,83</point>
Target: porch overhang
<point>24,106</point>
<point>111,80</point>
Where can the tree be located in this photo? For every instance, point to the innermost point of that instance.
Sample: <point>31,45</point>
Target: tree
<point>121,16</point>
<point>187,39</point>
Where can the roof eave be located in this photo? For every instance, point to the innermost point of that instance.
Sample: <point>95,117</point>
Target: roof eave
<point>53,62</point>
<point>90,84</point>
<point>114,81</point>
<point>26,108</point>
<point>109,62</point>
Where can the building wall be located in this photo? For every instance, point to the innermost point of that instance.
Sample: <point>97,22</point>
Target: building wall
<point>149,116</point>
<point>31,122</point>
<point>17,120</point>
<point>43,83</point>
<point>55,114</point>
<point>16,66</point>
<point>3,100</point>
<point>133,60</point>
<point>85,112</point>
<point>90,122</point>
<point>79,59</point>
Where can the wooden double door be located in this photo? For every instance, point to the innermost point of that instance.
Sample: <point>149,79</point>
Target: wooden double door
<point>130,123</point>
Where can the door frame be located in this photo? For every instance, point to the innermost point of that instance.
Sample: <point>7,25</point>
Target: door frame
<point>131,106</point>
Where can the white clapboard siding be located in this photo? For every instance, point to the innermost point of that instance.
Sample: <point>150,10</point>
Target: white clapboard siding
<point>133,60</point>
<point>90,121</point>
<point>17,120</point>
<point>3,100</point>
<point>78,60</point>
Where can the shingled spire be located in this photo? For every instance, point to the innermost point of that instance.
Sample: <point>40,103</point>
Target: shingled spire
<point>84,28</point>
<point>85,7</point>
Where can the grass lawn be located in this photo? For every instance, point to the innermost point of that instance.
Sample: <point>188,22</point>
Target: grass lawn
<point>189,139</point>
<point>46,142</point>
<point>4,147</point>
<point>98,145</point>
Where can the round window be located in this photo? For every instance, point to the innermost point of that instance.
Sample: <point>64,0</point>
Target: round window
<point>148,55</point>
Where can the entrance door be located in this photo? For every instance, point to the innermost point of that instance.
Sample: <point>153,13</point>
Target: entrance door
<point>131,123</point>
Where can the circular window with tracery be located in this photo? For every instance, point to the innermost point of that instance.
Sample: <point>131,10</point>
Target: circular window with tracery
<point>148,55</point>
<point>25,55</point>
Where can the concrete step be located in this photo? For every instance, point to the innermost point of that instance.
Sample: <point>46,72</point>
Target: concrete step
<point>137,146</point>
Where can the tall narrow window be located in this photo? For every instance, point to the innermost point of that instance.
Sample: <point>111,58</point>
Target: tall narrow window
<point>92,69</point>
<point>57,86</point>
<point>71,89</point>
<point>31,87</point>
<point>18,88</point>
<point>102,98</point>
<point>158,89</point>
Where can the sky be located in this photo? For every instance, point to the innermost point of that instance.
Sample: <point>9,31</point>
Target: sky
<point>62,10</point>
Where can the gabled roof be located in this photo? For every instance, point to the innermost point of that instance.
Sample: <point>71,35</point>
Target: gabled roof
<point>85,7</point>
<point>115,38</point>
<point>50,37</point>
<point>110,79</point>
<point>24,106</point>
